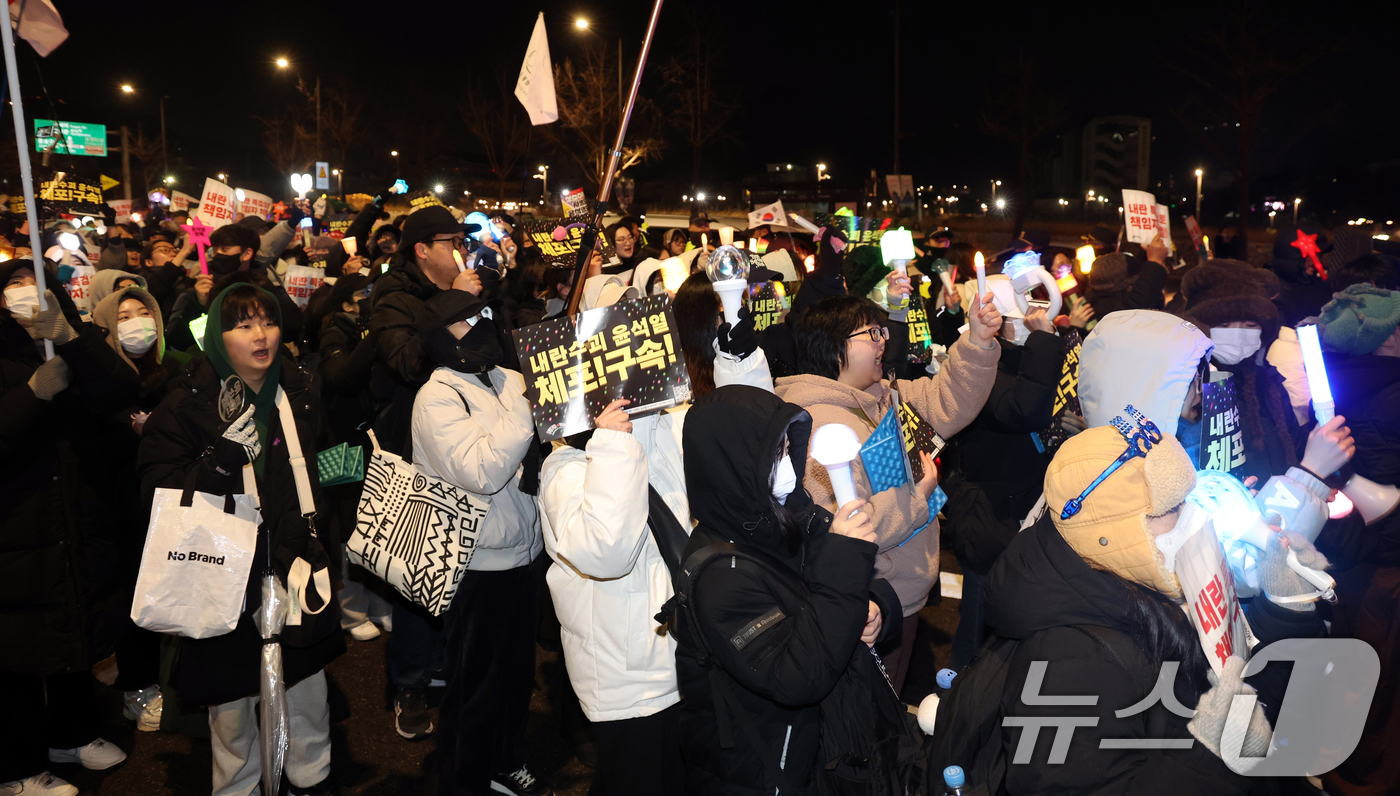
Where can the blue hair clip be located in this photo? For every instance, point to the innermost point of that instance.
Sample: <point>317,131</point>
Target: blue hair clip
<point>1140,440</point>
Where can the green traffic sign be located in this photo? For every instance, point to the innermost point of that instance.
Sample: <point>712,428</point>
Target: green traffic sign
<point>78,138</point>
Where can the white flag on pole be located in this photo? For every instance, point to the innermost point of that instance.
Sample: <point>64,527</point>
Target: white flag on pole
<point>42,27</point>
<point>535,88</point>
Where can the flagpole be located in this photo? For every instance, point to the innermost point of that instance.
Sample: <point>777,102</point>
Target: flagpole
<point>590,233</point>
<point>27,177</point>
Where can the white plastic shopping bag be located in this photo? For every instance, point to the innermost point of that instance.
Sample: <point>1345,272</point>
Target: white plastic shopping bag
<point>194,569</point>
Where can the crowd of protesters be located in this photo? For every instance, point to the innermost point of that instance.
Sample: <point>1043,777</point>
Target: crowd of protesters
<point>732,660</point>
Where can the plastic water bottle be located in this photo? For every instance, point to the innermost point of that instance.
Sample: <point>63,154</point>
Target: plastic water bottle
<point>944,678</point>
<point>953,779</point>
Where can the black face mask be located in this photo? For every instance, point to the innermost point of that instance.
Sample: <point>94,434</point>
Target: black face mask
<point>224,264</point>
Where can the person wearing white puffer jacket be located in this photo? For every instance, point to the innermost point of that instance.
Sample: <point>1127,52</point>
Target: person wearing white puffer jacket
<point>609,579</point>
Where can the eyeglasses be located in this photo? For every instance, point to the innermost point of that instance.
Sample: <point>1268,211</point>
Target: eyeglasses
<point>457,241</point>
<point>875,333</point>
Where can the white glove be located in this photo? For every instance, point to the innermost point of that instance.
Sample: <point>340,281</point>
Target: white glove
<point>1214,706</point>
<point>245,432</point>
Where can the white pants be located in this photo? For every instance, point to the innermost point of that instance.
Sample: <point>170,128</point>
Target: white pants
<point>233,727</point>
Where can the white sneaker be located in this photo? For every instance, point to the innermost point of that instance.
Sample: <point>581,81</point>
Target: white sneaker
<point>144,707</point>
<point>44,784</point>
<point>385,622</point>
<point>365,631</point>
<point>98,755</point>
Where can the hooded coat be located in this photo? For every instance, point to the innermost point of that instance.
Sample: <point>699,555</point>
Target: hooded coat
<point>62,602</point>
<point>800,617</point>
<point>949,401</point>
<point>1144,358</point>
<point>105,283</point>
<point>177,445</point>
<point>608,579</point>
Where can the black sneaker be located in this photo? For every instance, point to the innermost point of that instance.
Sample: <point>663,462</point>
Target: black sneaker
<point>411,716</point>
<point>520,783</point>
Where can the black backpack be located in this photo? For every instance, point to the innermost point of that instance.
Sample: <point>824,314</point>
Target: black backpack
<point>968,729</point>
<point>870,745</point>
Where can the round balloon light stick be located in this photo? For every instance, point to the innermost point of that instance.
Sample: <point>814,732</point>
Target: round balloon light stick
<point>728,269</point>
<point>834,446</point>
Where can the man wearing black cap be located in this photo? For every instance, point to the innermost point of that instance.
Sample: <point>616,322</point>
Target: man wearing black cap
<point>423,291</point>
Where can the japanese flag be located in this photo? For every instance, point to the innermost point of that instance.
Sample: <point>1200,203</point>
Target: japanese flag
<point>535,87</point>
<point>41,26</point>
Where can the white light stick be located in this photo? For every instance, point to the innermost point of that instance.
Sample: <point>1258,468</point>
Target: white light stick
<point>804,223</point>
<point>1323,406</point>
<point>979,264</point>
<point>834,446</point>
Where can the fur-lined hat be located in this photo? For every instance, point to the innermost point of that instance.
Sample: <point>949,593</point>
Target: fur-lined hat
<point>1225,291</point>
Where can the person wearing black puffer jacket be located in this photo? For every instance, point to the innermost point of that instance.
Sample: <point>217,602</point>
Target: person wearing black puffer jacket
<point>994,469</point>
<point>62,595</point>
<point>774,639</point>
<point>190,436</point>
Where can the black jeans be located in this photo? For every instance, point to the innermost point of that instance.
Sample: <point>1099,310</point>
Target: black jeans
<point>59,712</point>
<point>640,757</point>
<point>414,653</point>
<point>490,633</point>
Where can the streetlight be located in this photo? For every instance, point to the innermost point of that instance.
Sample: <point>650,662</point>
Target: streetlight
<point>821,172</point>
<point>542,175</point>
<point>700,196</point>
<point>1297,201</point>
<point>994,183</point>
<point>1001,204</point>
<point>437,188</point>
<point>127,88</point>
<point>1199,174</point>
<point>581,24</point>
<point>283,63</point>
<point>223,177</point>
<point>1272,213</point>
<point>339,182</point>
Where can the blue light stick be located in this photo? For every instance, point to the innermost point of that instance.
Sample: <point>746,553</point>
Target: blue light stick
<point>1323,406</point>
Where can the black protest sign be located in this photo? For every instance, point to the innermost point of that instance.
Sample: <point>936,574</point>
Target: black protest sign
<point>65,192</point>
<point>860,230</point>
<point>421,199</point>
<point>1222,438</point>
<point>919,437</point>
<point>574,367</point>
<point>920,336</point>
<point>560,249</point>
<point>768,304</point>
<point>1066,393</point>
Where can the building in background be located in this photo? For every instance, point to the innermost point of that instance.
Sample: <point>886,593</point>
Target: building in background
<point>1106,155</point>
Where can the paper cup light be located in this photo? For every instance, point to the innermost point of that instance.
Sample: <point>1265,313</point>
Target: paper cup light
<point>897,248</point>
<point>1085,256</point>
<point>728,269</point>
<point>726,236</point>
<point>834,446</point>
<point>351,246</point>
<point>673,274</point>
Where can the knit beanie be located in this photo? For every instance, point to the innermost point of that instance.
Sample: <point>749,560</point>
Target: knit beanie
<point>1110,530</point>
<point>1359,319</point>
<point>1109,273</point>
<point>1226,291</point>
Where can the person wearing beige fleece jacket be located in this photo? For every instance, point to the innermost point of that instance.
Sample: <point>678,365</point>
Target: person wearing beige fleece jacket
<point>840,344</point>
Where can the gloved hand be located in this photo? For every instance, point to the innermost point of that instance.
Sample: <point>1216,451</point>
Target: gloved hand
<point>741,340</point>
<point>1277,579</point>
<point>241,444</point>
<point>1214,707</point>
<point>49,324</point>
<point>294,215</point>
<point>50,379</point>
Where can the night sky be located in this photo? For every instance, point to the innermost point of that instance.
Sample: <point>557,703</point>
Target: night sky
<point>813,80</point>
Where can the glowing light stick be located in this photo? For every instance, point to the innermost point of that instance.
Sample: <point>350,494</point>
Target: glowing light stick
<point>728,269</point>
<point>1323,406</point>
<point>804,223</point>
<point>351,246</point>
<point>457,258</point>
<point>834,446</point>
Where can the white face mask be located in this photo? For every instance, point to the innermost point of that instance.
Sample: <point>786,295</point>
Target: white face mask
<point>22,301</point>
<point>137,335</point>
<point>1235,345</point>
<point>1019,332</point>
<point>784,479</point>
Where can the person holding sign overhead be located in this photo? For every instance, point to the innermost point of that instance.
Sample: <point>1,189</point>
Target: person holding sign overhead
<point>609,501</point>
